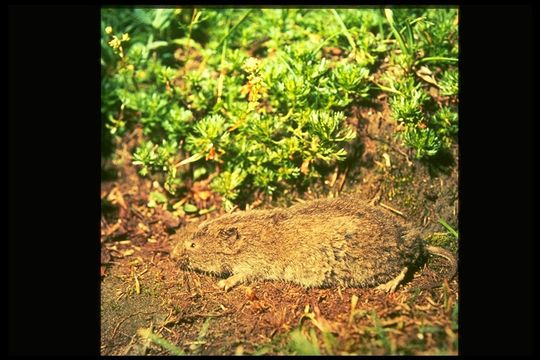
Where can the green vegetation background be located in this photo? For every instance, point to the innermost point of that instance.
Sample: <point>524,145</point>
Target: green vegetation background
<point>257,99</point>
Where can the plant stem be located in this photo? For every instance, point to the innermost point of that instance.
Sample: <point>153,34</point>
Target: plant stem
<point>189,34</point>
<point>382,87</point>
<point>286,62</point>
<point>390,17</point>
<point>221,72</point>
<point>436,58</point>
<point>345,30</point>
<point>234,28</point>
<point>325,41</point>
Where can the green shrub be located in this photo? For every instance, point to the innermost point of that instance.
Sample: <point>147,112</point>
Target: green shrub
<point>254,98</point>
<point>424,38</point>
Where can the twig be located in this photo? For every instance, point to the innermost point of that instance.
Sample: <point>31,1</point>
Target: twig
<point>343,178</point>
<point>166,322</point>
<point>409,162</point>
<point>377,197</point>
<point>124,319</point>
<point>137,212</point>
<point>211,315</point>
<point>130,345</point>
<point>392,209</point>
<point>334,177</point>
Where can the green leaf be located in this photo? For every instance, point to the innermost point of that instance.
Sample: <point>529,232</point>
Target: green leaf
<point>191,159</point>
<point>156,44</point>
<point>198,172</point>
<point>158,197</point>
<point>227,183</point>
<point>381,332</point>
<point>146,333</point>
<point>455,317</point>
<point>449,228</point>
<point>302,345</point>
<point>189,208</point>
<point>162,18</point>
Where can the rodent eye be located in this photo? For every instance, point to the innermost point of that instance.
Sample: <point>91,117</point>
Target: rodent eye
<point>192,245</point>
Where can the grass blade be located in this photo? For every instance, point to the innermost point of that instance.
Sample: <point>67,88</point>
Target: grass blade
<point>449,228</point>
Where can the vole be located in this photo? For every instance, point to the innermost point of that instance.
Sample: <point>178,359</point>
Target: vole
<point>320,243</point>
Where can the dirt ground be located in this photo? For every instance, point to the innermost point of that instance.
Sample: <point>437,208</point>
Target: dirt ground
<point>142,289</point>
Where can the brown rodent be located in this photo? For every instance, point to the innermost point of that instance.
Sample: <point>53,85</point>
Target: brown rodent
<point>320,243</point>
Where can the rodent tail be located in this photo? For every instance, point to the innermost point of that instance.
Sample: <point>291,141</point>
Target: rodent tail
<point>435,250</point>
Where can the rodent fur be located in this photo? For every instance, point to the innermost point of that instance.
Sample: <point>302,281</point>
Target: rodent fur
<point>319,243</point>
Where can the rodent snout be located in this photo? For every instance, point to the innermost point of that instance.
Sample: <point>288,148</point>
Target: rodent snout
<point>183,262</point>
<point>179,255</point>
<point>178,252</point>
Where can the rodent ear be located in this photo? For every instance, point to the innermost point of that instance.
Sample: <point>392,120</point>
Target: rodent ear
<point>229,234</point>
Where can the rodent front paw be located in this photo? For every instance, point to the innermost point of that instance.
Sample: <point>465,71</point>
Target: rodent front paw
<point>230,282</point>
<point>392,285</point>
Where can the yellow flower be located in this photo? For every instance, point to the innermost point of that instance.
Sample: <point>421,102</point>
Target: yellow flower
<point>114,43</point>
<point>125,37</point>
<point>251,64</point>
<point>108,30</point>
<point>141,74</point>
